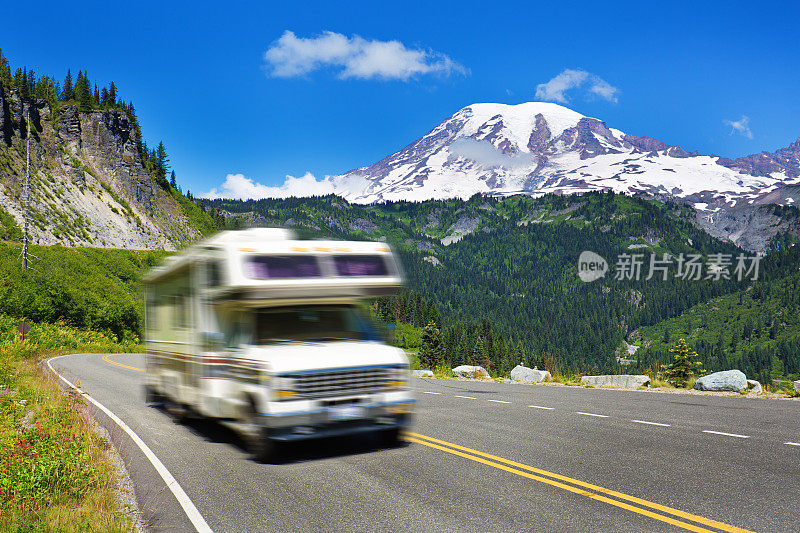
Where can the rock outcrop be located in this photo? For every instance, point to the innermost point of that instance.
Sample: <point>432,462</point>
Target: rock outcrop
<point>89,187</point>
<point>470,371</point>
<point>627,381</point>
<point>731,380</point>
<point>796,385</point>
<point>754,386</point>
<point>423,373</point>
<point>532,375</point>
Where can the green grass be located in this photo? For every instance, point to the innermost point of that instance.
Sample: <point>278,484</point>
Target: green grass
<point>198,218</point>
<point>56,473</point>
<point>91,288</point>
<point>9,229</point>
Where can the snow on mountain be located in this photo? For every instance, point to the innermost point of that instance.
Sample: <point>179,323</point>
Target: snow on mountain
<point>538,148</point>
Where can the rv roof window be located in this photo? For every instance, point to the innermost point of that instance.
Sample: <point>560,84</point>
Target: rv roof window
<point>282,266</point>
<point>360,265</point>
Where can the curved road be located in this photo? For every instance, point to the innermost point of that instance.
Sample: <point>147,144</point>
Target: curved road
<point>480,457</point>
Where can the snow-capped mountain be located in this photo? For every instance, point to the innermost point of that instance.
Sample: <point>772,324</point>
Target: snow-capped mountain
<point>538,148</point>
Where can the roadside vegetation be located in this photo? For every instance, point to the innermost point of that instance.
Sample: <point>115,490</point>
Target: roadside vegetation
<point>55,473</point>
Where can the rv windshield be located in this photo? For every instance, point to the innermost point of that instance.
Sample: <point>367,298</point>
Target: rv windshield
<point>312,323</point>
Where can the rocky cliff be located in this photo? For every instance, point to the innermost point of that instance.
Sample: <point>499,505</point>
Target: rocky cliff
<point>88,185</point>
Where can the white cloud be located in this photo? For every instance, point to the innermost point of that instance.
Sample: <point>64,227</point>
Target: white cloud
<point>355,57</point>
<point>486,154</point>
<point>569,79</point>
<point>741,126</point>
<point>240,187</point>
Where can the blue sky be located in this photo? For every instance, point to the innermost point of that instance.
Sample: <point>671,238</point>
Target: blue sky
<point>324,104</point>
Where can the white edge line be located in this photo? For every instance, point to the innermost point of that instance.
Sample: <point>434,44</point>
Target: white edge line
<point>427,392</point>
<point>542,407</point>
<point>591,414</point>
<point>191,511</point>
<point>651,423</point>
<point>726,434</point>
<point>466,397</point>
<point>792,443</point>
<point>499,401</point>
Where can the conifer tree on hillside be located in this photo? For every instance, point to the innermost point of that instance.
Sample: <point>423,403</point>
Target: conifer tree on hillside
<point>431,353</point>
<point>83,92</point>
<point>25,91</point>
<point>172,181</point>
<point>162,161</point>
<point>104,97</point>
<point>112,95</point>
<point>684,367</point>
<point>96,97</point>
<point>67,93</point>
<point>5,68</point>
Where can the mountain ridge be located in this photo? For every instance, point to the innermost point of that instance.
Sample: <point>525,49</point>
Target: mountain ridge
<point>537,148</point>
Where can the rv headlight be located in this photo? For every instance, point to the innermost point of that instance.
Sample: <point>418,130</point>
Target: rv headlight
<point>283,388</point>
<point>397,378</point>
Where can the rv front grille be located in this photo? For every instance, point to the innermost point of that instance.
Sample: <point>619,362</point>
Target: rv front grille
<point>340,382</point>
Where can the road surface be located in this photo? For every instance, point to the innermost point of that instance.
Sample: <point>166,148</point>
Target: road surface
<point>481,456</point>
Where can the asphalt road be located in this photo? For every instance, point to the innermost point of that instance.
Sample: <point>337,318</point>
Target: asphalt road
<point>481,457</point>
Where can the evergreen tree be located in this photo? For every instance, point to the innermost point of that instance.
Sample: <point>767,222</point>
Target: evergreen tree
<point>67,92</point>
<point>83,92</point>
<point>96,97</point>
<point>431,353</point>
<point>112,95</point>
<point>162,161</point>
<point>5,69</point>
<point>684,367</point>
<point>172,181</point>
<point>104,97</point>
<point>24,89</point>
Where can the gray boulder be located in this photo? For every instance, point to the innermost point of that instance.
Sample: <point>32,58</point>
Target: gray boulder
<point>423,373</point>
<point>754,386</point>
<point>797,385</point>
<point>733,380</point>
<point>469,371</point>
<point>628,381</point>
<point>534,375</point>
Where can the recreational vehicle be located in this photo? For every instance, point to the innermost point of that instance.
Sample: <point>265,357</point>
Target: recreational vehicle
<point>260,328</point>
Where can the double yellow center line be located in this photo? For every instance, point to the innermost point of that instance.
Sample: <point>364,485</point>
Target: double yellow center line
<point>669,515</point>
<point>107,360</point>
<point>656,511</point>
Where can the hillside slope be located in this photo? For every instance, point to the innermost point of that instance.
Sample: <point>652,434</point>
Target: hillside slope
<point>88,184</point>
<point>512,264</point>
<point>756,329</point>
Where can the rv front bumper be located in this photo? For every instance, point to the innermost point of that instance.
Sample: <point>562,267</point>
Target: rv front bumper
<point>334,420</point>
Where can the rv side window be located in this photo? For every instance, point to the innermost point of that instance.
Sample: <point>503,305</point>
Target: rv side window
<point>213,277</point>
<point>238,331</point>
<point>282,266</point>
<point>180,311</point>
<point>360,265</point>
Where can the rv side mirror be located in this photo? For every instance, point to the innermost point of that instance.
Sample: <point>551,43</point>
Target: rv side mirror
<point>211,341</point>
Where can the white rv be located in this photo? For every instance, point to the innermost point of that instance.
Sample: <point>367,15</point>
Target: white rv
<point>257,327</point>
